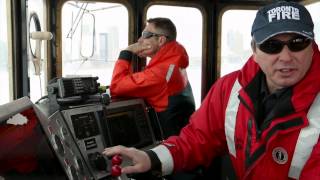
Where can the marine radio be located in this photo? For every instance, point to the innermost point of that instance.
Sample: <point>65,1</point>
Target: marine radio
<point>68,87</point>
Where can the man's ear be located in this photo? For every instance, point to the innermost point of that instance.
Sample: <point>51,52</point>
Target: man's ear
<point>162,40</point>
<point>254,49</point>
<point>254,57</point>
<point>253,45</point>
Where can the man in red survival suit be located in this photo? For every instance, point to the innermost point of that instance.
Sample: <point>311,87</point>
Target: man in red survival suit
<point>163,83</point>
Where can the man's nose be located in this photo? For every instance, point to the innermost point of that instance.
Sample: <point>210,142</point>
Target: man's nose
<point>140,39</point>
<point>285,54</point>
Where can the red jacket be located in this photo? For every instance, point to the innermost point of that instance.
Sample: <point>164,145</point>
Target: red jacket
<point>164,76</point>
<point>255,152</point>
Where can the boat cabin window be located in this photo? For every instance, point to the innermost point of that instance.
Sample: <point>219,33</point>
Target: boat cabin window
<point>93,33</point>
<point>235,39</point>
<point>5,61</point>
<point>314,10</point>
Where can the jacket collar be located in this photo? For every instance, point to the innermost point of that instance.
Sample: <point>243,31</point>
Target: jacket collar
<point>171,51</point>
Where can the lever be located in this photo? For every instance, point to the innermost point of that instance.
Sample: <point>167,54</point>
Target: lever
<point>116,169</point>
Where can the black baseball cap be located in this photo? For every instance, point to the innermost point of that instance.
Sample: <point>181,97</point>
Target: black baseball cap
<point>282,17</point>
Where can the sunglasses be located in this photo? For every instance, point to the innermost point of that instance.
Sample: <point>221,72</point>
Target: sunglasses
<point>274,46</point>
<point>147,35</point>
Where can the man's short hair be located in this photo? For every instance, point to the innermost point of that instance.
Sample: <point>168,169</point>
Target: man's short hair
<point>165,25</point>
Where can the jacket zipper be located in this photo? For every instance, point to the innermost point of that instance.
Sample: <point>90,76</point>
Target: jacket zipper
<point>258,131</point>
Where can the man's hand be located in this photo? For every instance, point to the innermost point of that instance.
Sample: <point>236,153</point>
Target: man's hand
<point>137,48</point>
<point>140,160</point>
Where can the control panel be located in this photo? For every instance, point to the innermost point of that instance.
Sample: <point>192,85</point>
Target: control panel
<point>76,136</point>
<point>80,123</point>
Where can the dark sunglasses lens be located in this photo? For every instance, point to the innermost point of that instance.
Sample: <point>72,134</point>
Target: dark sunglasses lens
<point>271,46</point>
<point>298,44</point>
<point>146,34</point>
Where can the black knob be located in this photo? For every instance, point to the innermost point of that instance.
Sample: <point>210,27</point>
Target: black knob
<point>98,161</point>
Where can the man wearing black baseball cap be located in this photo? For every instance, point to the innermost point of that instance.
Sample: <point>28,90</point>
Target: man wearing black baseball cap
<point>266,116</point>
